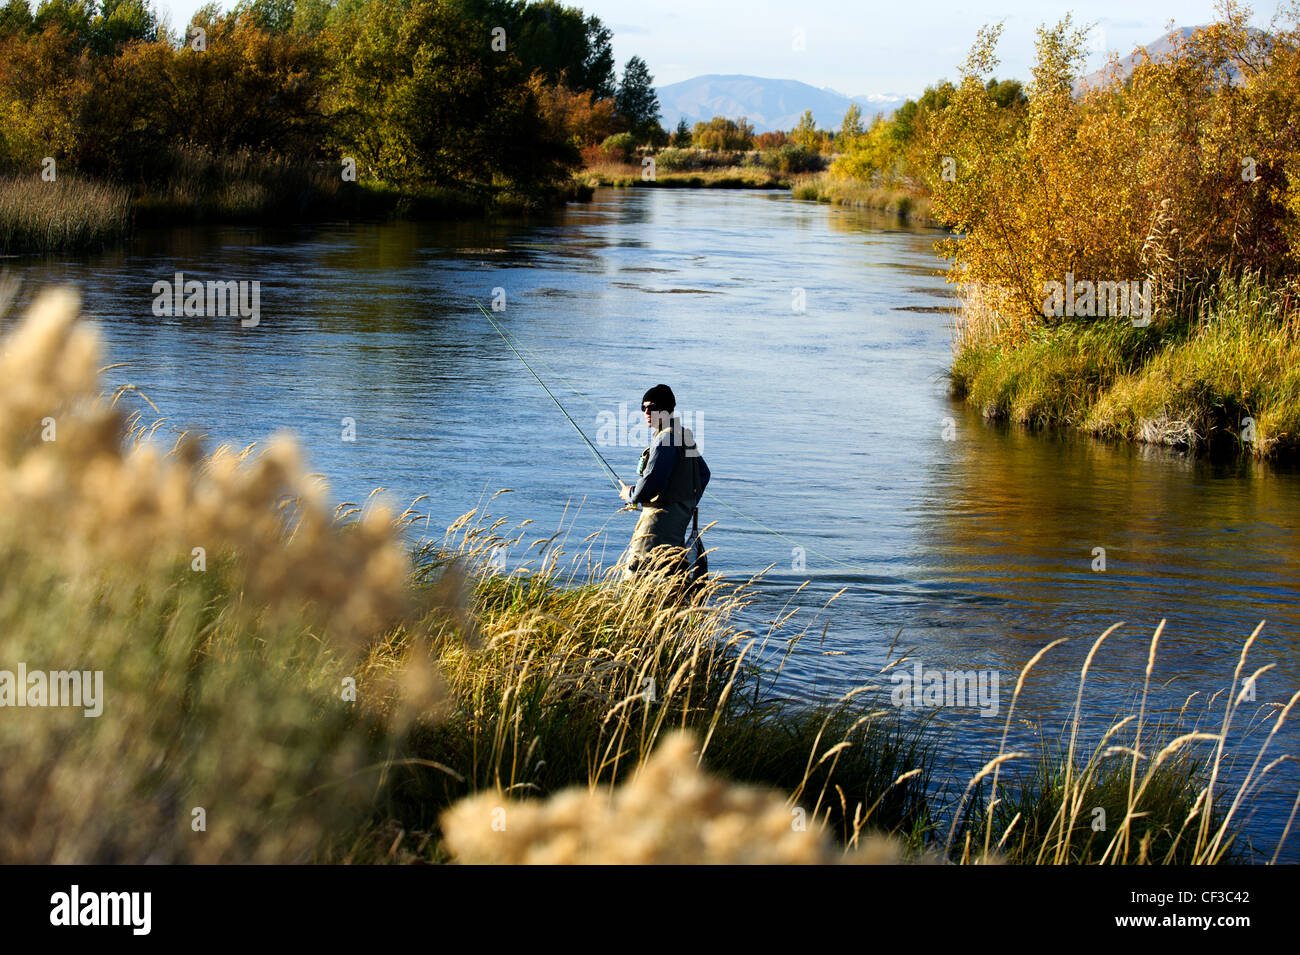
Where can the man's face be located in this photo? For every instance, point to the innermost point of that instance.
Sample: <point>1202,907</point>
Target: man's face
<point>654,416</point>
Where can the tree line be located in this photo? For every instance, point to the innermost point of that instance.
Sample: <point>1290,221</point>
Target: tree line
<point>473,94</point>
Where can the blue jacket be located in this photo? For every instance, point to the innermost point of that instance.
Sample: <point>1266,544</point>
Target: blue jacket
<point>663,456</point>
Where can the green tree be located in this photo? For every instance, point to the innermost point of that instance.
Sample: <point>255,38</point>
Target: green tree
<point>122,21</point>
<point>636,99</point>
<point>311,17</point>
<point>562,43</point>
<point>15,17</point>
<point>273,16</point>
<point>682,134</point>
<point>1007,93</point>
<point>909,118</point>
<point>72,17</point>
<point>851,128</point>
<point>806,134</point>
<point>417,105</point>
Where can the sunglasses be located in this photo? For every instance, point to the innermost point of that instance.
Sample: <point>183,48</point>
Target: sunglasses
<point>647,408</point>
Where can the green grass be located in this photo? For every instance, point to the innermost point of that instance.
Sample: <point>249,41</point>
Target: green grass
<point>1187,383</point>
<point>853,193</point>
<point>627,175</point>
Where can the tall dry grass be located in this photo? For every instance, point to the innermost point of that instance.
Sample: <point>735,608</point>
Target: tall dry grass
<point>219,599</point>
<point>1161,801</point>
<point>66,215</point>
<point>626,174</point>
<point>239,186</point>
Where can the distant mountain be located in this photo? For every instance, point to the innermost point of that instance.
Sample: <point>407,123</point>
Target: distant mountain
<point>1158,50</point>
<point>768,104</point>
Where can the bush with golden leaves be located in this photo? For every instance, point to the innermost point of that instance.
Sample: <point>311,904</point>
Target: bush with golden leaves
<point>225,734</point>
<point>1181,172</point>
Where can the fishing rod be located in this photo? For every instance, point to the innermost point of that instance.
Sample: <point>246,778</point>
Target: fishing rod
<point>618,482</point>
<point>712,496</point>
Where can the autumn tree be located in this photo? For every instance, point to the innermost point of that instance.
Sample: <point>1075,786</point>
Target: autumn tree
<point>806,134</point>
<point>851,127</point>
<point>417,104</point>
<point>722,133</point>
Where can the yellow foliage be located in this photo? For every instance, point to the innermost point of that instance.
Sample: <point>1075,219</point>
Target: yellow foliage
<point>1181,172</point>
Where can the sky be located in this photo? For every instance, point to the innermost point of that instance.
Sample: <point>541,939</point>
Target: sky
<point>856,48</point>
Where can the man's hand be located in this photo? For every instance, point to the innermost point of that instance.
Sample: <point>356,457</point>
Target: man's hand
<point>625,492</point>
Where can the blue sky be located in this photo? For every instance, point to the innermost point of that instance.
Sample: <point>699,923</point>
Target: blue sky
<point>853,47</point>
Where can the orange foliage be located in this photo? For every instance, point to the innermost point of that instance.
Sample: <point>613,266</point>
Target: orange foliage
<point>580,118</point>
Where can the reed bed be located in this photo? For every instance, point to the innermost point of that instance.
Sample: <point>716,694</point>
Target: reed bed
<point>626,174</point>
<point>240,186</point>
<point>911,204</point>
<point>289,682</point>
<point>65,215</point>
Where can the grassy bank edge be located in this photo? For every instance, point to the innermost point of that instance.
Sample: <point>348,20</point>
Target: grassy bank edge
<point>1225,381</point>
<point>78,214</point>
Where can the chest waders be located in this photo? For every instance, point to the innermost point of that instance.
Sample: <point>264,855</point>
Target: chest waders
<point>665,516</point>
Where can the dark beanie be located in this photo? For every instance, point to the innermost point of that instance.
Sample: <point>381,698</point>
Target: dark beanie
<point>661,396</point>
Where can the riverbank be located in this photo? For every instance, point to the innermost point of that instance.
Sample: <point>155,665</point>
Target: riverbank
<point>76,214</point>
<point>619,175</point>
<point>247,116</point>
<point>910,205</point>
<point>771,168</point>
<point>1226,381</point>
<point>294,683</point>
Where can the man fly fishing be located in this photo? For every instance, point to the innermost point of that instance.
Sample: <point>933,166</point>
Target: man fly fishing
<point>673,476</point>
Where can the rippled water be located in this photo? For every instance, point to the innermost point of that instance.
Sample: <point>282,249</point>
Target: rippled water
<point>824,428</point>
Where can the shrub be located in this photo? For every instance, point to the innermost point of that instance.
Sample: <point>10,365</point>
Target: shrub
<point>722,133</point>
<point>771,140</point>
<point>792,158</point>
<point>1199,182</point>
<point>672,160</point>
<point>619,147</point>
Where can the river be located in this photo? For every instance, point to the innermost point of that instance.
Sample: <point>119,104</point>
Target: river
<point>807,347</point>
